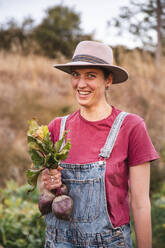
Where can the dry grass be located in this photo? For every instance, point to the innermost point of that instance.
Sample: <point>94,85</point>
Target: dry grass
<point>144,93</point>
<point>30,87</point>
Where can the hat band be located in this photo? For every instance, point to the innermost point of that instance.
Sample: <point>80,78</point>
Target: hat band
<point>88,58</point>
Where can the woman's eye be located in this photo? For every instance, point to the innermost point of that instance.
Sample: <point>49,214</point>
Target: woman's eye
<point>74,74</point>
<point>91,76</point>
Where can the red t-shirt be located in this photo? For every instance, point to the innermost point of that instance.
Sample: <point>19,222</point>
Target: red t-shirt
<point>133,147</point>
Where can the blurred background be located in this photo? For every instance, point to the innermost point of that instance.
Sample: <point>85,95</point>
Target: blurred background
<point>36,34</point>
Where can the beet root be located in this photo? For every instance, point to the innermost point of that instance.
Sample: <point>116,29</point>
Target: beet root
<point>62,207</point>
<point>45,202</point>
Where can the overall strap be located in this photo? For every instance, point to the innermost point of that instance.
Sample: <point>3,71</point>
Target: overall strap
<point>112,136</point>
<point>62,128</point>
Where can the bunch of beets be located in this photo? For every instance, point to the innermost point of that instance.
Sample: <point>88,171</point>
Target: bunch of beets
<point>46,155</point>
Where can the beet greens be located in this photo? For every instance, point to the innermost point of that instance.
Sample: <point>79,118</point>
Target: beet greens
<point>42,151</point>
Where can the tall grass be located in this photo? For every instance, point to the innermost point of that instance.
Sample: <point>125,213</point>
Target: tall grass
<point>144,92</point>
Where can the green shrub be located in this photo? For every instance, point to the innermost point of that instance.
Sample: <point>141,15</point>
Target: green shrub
<point>158,218</point>
<point>21,224</point>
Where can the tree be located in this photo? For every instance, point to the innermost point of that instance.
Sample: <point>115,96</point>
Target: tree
<point>145,20</point>
<point>14,36</point>
<point>59,32</point>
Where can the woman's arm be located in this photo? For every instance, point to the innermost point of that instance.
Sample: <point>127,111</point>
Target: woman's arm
<point>140,204</point>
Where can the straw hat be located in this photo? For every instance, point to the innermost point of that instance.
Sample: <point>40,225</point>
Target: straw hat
<point>94,54</point>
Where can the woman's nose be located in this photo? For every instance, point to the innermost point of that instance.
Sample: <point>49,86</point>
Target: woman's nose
<point>81,83</point>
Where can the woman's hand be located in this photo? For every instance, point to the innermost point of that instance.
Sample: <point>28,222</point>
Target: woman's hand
<point>51,178</point>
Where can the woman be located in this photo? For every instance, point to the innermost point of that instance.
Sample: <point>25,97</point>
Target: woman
<point>110,153</point>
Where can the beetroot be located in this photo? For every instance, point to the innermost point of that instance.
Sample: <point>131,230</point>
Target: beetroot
<point>56,201</point>
<point>62,207</point>
<point>45,202</point>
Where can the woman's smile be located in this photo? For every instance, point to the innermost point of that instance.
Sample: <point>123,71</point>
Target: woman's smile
<point>83,93</point>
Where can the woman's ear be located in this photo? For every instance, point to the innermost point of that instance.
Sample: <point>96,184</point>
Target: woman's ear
<point>108,81</point>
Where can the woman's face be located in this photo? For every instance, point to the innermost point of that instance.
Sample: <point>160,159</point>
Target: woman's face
<point>89,86</point>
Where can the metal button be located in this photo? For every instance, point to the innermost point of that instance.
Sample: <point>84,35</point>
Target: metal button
<point>101,162</point>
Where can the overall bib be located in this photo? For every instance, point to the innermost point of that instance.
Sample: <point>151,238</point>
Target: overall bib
<point>91,226</point>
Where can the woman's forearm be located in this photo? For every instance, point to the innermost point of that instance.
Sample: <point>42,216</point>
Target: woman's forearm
<point>142,224</point>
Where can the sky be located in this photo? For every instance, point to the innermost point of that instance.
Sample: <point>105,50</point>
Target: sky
<point>94,15</point>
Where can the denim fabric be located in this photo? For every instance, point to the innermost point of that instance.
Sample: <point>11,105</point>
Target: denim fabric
<point>90,225</point>
<point>112,136</point>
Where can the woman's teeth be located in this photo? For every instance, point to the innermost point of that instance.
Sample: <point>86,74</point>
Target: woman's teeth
<point>84,92</point>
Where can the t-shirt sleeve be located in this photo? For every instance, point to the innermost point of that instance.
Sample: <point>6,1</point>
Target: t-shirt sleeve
<point>140,149</point>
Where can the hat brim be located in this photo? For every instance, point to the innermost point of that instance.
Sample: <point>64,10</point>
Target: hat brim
<point>119,74</point>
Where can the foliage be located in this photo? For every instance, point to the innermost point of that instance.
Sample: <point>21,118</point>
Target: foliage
<point>158,219</point>
<point>59,32</point>
<point>21,225</point>
<point>42,151</point>
<point>13,35</point>
<point>140,18</point>
<point>157,179</point>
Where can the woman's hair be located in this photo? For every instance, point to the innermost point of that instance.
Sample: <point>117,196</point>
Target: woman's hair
<point>106,73</point>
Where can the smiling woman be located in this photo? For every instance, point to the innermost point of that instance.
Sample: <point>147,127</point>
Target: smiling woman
<point>110,152</point>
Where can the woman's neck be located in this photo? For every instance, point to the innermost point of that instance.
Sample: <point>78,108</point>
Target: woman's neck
<point>96,113</point>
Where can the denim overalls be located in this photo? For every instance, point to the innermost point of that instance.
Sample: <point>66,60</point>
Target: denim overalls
<point>90,226</point>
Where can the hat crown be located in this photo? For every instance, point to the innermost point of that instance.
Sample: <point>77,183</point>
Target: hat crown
<point>94,49</point>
